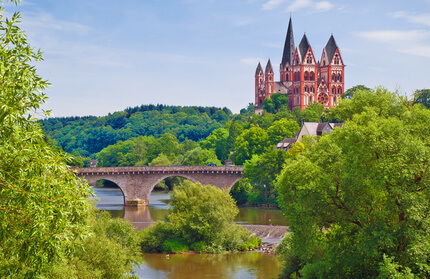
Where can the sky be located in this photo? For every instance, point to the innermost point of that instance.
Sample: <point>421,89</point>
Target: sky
<point>102,56</point>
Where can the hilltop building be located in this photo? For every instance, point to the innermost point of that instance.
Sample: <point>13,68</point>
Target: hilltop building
<point>309,129</point>
<point>302,77</point>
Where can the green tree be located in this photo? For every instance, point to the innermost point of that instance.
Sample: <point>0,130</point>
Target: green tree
<point>282,129</point>
<point>200,157</point>
<point>275,103</point>
<point>422,97</point>
<point>253,141</point>
<point>348,94</point>
<point>217,140</point>
<point>201,218</point>
<point>42,204</point>
<point>261,173</point>
<point>111,251</point>
<point>161,160</point>
<point>358,200</point>
<point>269,105</point>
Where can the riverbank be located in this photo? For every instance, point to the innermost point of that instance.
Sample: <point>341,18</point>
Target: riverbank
<point>271,236</point>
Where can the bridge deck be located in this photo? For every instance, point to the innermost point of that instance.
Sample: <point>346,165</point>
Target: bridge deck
<point>170,169</point>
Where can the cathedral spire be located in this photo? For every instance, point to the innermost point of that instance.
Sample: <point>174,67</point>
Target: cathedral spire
<point>287,56</point>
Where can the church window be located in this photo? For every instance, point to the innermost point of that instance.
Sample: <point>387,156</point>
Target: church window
<point>306,89</point>
<point>312,76</point>
<point>311,99</point>
<point>333,77</point>
<point>312,89</point>
<point>287,77</point>
<point>306,75</point>
<point>336,59</point>
<point>339,90</point>
<point>333,90</point>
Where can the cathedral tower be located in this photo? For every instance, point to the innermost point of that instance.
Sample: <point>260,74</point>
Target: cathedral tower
<point>288,54</point>
<point>302,78</point>
<point>259,85</point>
<point>269,77</point>
<point>332,72</point>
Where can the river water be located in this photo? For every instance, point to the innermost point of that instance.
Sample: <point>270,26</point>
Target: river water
<point>158,266</point>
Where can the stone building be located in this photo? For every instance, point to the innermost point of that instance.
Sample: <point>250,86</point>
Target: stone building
<point>308,129</point>
<point>302,77</point>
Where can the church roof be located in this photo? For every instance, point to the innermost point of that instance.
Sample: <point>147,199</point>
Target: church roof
<point>330,48</point>
<point>280,87</point>
<point>259,69</point>
<point>269,66</point>
<point>288,55</point>
<point>303,47</point>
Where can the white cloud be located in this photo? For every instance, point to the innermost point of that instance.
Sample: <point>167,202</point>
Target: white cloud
<point>414,42</point>
<point>251,61</point>
<point>47,21</point>
<point>323,6</point>
<point>394,36</point>
<point>299,4</point>
<point>314,6</point>
<point>423,19</point>
<point>271,4</point>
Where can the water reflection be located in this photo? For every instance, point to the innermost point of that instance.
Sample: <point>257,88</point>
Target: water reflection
<point>112,200</point>
<point>157,266</point>
<point>234,265</point>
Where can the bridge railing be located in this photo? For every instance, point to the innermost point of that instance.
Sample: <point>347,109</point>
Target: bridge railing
<point>143,169</point>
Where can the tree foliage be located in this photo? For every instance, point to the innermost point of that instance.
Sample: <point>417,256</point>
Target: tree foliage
<point>200,219</point>
<point>261,173</point>
<point>422,97</point>
<point>275,103</point>
<point>45,211</point>
<point>252,141</point>
<point>42,204</point>
<point>358,200</point>
<point>349,93</point>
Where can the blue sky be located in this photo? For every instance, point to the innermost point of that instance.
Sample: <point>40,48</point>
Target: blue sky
<point>102,56</point>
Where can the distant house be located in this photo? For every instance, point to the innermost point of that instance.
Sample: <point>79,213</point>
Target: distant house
<point>308,129</point>
<point>285,144</point>
<point>93,163</point>
<point>228,162</point>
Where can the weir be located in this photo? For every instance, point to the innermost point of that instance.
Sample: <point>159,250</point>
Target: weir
<point>137,183</point>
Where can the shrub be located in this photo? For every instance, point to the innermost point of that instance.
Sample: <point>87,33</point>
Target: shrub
<point>199,247</point>
<point>202,217</point>
<point>176,246</point>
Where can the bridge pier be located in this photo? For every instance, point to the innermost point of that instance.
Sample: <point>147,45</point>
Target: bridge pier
<point>137,183</point>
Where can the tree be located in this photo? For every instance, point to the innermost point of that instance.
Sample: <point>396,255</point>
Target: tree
<point>275,103</point>
<point>200,157</point>
<point>358,200</point>
<point>217,140</point>
<point>348,94</point>
<point>282,129</point>
<point>111,251</point>
<point>261,172</point>
<point>45,210</point>
<point>201,218</point>
<point>422,97</point>
<point>253,141</point>
<point>161,160</point>
<point>43,206</point>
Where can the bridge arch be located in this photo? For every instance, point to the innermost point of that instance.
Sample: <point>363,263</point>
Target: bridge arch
<point>137,183</point>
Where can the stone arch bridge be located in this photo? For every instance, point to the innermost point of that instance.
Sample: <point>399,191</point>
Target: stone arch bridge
<point>137,183</point>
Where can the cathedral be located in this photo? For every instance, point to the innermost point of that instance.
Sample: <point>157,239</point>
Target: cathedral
<point>302,77</point>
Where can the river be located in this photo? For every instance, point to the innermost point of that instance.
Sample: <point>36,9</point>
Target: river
<point>232,265</point>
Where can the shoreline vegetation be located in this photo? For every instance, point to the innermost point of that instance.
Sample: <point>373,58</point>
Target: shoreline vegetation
<point>200,220</point>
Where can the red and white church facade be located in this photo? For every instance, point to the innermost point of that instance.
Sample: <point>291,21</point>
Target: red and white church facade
<point>302,77</point>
